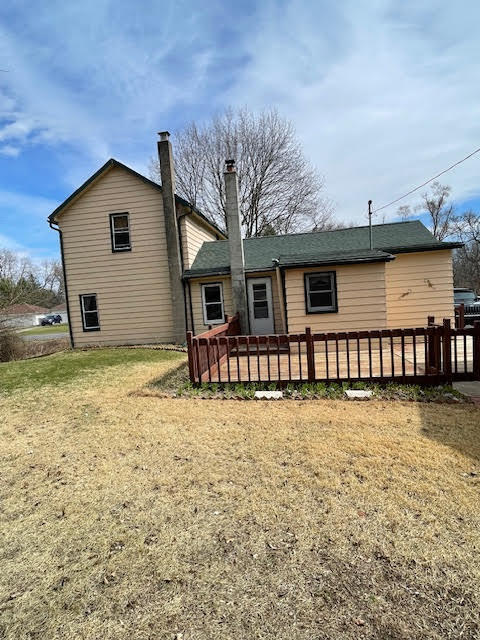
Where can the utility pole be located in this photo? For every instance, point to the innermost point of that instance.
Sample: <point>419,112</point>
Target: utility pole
<point>370,223</point>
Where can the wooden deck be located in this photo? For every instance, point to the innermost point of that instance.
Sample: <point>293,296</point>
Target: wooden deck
<point>434,354</point>
<point>351,364</point>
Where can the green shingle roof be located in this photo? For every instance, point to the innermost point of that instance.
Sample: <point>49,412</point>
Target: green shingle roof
<point>327,247</point>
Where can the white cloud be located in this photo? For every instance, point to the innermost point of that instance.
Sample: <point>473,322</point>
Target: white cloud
<point>9,150</point>
<point>6,242</point>
<point>18,204</point>
<point>383,94</point>
<point>97,75</point>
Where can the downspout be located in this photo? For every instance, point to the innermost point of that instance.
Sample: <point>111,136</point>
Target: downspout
<point>284,292</point>
<point>180,246</point>
<point>65,286</point>
<point>190,305</point>
<point>281,294</point>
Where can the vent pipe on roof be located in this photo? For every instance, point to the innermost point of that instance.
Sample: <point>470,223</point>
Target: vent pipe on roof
<point>370,223</point>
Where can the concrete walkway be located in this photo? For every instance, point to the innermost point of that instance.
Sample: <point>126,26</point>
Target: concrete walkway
<point>470,389</point>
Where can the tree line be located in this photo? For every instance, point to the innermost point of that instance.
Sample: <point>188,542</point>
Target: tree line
<point>282,192</point>
<point>446,223</point>
<point>25,281</point>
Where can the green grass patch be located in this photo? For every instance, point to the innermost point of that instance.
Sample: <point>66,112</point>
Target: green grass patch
<point>61,368</point>
<point>176,383</point>
<point>40,331</point>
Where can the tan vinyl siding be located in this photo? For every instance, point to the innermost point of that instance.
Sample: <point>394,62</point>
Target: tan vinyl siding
<point>194,234</point>
<point>132,287</point>
<point>418,285</point>
<point>197,305</point>
<point>360,295</point>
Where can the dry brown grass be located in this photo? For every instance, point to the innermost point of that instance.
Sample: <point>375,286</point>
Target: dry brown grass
<point>141,518</point>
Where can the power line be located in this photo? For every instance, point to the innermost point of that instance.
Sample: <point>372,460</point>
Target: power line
<point>427,181</point>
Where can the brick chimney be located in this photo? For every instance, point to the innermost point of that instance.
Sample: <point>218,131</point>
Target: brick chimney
<point>167,173</point>
<point>235,244</point>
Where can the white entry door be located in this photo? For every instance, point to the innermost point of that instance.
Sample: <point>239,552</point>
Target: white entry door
<point>260,305</point>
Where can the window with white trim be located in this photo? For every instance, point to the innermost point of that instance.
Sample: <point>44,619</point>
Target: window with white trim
<point>120,231</point>
<point>212,299</point>
<point>89,309</point>
<point>321,292</point>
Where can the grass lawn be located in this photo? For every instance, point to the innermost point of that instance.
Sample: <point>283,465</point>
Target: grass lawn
<point>40,331</point>
<point>62,368</point>
<point>127,516</point>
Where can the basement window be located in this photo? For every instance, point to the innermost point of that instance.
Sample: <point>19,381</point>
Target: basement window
<point>321,292</point>
<point>120,231</point>
<point>212,299</point>
<point>89,309</point>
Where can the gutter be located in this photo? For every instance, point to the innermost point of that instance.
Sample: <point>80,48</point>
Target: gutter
<point>426,247</point>
<point>51,222</point>
<point>333,261</point>
<point>180,248</point>
<point>281,294</point>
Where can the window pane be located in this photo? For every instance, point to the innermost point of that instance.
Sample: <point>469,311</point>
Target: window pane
<point>259,291</point>
<point>320,282</point>
<point>214,311</point>
<point>90,303</point>
<point>260,309</point>
<point>120,222</point>
<point>91,319</point>
<point>321,300</point>
<point>122,239</point>
<point>212,294</point>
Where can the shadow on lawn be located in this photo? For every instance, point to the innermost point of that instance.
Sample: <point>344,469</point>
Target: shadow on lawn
<point>457,427</point>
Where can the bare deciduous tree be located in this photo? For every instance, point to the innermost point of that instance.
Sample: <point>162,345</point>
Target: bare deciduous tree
<point>280,192</point>
<point>22,280</point>
<point>440,211</point>
<point>467,259</point>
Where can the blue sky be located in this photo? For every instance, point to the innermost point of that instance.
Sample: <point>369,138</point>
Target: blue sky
<point>382,94</point>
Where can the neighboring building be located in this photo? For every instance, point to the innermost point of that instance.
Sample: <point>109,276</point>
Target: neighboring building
<point>142,266</point>
<point>22,315</point>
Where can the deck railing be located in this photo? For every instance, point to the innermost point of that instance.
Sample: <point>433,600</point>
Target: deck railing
<point>425,355</point>
<point>466,315</point>
<point>205,353</point>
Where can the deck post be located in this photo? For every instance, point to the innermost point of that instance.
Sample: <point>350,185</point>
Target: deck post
<point>447,350</point>
<point>431,364</point>
<point>310,355</point>
<point>476,350</point>
<point>460,316</point>
<point>191,366</point>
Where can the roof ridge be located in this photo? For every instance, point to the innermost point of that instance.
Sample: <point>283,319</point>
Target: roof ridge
<point>309,233</point>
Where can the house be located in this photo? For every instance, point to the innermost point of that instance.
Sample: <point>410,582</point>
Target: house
<point>143,266</point>
<point>22,315</point>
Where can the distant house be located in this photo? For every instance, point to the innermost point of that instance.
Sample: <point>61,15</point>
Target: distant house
<point>142,265</point>
<point>22,315</point>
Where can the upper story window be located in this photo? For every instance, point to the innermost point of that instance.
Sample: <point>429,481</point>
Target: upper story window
<point>321,292</point>
<point>120,231</point>
<point>212,298</point>
<point>89,309</point>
